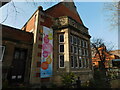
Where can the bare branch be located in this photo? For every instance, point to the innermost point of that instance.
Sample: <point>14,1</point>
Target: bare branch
<point>6,16</point>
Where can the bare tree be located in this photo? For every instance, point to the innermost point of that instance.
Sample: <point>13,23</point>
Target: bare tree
<point>112,10</point>
<point>100,49</point>
<point>16,10</point>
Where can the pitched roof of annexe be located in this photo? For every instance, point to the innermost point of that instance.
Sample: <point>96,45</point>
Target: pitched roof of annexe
<point>16,34</point>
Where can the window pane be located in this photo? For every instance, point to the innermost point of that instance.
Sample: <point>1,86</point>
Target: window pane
<point>81,43</point>
<point>85,44</point>
<point>61,37</point>
<point>75,40</point>
<point>82,52</point>
<point>22,55</point>
<point>61,48</point>
<point>79,51</point>
<point>72,61</point>
<point>83,61</point>
<point>86,62</point>
<point>86,52</point>
<point>61,60</point>
<point>17,53</point>
<point>75,61</point>
<point>75,49</point>
<point>80,62</point>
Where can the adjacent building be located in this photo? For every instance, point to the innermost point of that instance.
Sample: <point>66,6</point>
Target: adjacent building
<point>109,56</point>
<point>16,55</point>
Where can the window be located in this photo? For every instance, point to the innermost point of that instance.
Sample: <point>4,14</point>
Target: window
<point>61,38</point>
<point>75,50</point>
<point>19,76</point>
<point>13,77</point>
<point>78,41</point>
<point>61,48</point>
<point>75,40</point>
<point>76,61</point>
<point>86,52</point>
<point>81,43</point>
<point>85,44</point>
<point>2,49</point>
<point>82,52</point>
<point>72,62</point>
<point>87,63</point>
<point>22,55</point>
<point>83,61</point>
<point>17,53</point>
<point>80,62</point>
<point>61,60</point>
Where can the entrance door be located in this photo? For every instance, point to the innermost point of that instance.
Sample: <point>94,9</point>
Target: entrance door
<point>18,66</point>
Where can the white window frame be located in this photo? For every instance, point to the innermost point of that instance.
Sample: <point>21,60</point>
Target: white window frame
<point>2,52</point>
<point>63,38</point>
<point>59,61</point>
<point>59,48</point>
<point>73,61</point>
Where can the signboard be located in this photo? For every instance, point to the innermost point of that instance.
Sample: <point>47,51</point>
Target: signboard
<point>47,53</point>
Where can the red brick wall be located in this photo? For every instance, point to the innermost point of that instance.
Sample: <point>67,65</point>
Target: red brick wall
<point>29,25</point>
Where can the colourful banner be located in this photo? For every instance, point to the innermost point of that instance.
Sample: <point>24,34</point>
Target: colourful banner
<point>47,53</point>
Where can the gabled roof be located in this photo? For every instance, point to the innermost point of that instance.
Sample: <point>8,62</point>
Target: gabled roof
<point>64,9</point>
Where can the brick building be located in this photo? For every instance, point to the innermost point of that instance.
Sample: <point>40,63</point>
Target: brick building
<point>68,41</point>
<point>108,60</point>
<point>71,41</point>
<point>17,50</point>
<point>115,52</point>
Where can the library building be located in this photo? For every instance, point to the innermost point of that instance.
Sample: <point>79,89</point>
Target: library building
<point>52,42</point>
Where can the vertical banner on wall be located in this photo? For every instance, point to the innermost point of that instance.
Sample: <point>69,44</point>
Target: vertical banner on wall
<point>47,53</point>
